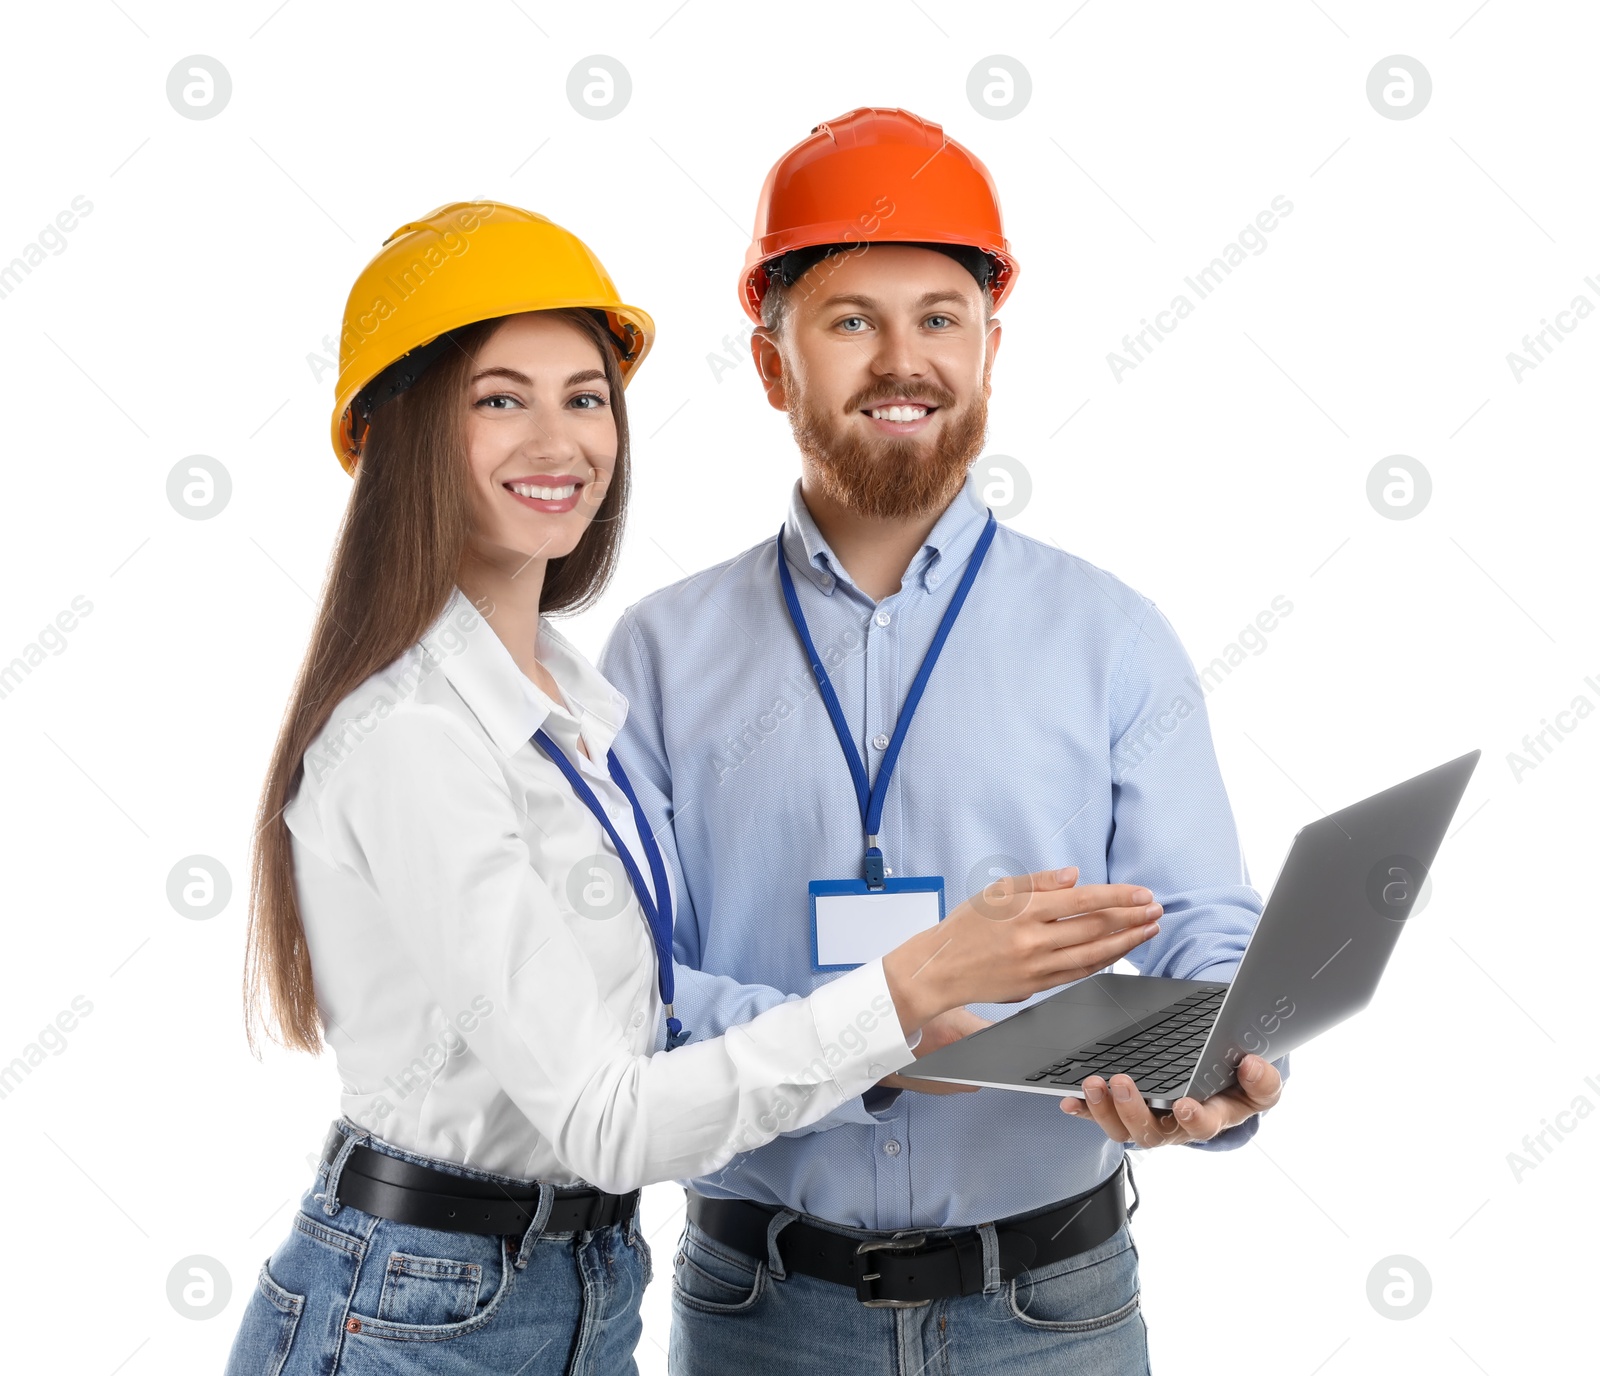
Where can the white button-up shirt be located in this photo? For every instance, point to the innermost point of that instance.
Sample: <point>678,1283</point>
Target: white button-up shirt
<point>490,999</point>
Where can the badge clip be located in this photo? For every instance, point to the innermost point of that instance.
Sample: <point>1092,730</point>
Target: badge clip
<point>874,864</point>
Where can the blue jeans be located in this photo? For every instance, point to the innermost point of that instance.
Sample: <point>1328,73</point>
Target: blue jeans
<point>732,1313</point>
<point>351,1294</point>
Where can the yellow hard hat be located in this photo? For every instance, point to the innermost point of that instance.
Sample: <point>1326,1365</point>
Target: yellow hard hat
<point>467,261</point>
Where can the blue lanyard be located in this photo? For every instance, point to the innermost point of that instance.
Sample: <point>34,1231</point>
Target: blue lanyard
<point>657,908</point>
<point>872,800</point>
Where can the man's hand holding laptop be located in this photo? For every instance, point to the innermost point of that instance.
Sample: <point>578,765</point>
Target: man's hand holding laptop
<point>1127,1118</point>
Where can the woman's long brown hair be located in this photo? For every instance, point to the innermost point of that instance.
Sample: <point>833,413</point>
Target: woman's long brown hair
<point>394,566</point>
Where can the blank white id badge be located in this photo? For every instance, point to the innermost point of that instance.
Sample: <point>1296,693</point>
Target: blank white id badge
<point>852,924</point>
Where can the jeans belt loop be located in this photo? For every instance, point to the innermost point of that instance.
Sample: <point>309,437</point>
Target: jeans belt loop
<point>633,1220</point>
<point>541,1216</point>
<point>778,1222</point>
<point>330,1198</point>
<point>991,1258</point>
<point>1127,1165</point>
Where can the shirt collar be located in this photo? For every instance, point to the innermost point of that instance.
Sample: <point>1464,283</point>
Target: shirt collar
<point>507,703</point>
<point>949,542</point>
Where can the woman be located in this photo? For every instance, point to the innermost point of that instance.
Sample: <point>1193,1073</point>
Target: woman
<point>451,881</point>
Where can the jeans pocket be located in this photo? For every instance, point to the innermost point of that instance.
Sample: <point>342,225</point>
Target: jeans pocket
<point>267,1329</point>
<point>715,1279</point>
<point>1091,1291</point>
<point>431,1290</point>
<point>436,1285</point>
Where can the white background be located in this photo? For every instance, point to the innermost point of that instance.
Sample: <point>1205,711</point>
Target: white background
<point>1229,468</point>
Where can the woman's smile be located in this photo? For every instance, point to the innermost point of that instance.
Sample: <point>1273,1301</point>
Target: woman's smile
<point>556,493</point>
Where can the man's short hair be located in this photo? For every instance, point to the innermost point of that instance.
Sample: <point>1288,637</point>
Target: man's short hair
<point>784,271</point>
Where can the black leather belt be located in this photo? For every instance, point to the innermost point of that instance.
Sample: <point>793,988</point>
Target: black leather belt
<point>908,1268</point>
<point>405,1192</point>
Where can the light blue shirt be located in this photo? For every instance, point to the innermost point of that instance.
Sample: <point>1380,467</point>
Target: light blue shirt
<point>1063,725</point>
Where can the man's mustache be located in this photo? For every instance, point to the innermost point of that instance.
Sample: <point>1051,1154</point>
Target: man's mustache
<point>925,393</point>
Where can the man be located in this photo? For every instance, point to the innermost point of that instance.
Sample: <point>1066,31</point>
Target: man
<point>1057,726</point>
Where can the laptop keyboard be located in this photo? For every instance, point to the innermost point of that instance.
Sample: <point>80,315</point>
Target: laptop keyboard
<point>1159,1050</point>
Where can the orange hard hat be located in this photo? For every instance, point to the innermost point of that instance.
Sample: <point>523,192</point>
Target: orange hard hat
<point>876,176</point>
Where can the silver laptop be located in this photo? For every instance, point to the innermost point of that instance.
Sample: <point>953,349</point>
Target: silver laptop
<point>1348,884</point>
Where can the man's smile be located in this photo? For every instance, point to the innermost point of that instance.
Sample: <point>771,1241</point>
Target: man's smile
<point>900,416</point>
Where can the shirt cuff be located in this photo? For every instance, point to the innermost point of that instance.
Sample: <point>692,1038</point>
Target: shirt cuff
<point>859,1029</point>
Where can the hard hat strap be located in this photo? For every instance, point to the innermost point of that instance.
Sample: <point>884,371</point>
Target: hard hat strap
<point>400,374</point>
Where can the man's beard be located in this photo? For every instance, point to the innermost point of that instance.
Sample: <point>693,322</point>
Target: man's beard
<point>892,477</point>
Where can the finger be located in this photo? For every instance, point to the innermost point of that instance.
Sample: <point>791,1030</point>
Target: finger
<point>966,1022</point>
<point>1012,895</point>
<point>1082,959</point>
<point>1088,898</point>
<point>1231,1107</point>
<point>1261,1082</point>
<point>1046,896</point>
<point>1142,1124</point>
<point>1204,1120</point>
<point>1201,1121</point>
<point>1079,963</point>
<point>1102,923</point>
<point>1103,1109</point>
<point>1065,931</point>
<point>1021,885</point>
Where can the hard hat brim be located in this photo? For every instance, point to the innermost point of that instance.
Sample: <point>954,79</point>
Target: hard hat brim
<point>752,282</point>
<point>349,387</point>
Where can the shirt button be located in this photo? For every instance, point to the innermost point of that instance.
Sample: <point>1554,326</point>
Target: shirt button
<point>933,580</point>
<point>882,618</point>
<point>880,741</point>
<point>638,1019</point>
<point>891,1147</point>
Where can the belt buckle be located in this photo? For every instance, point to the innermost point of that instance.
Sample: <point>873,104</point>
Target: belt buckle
<point>906,1240</point>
